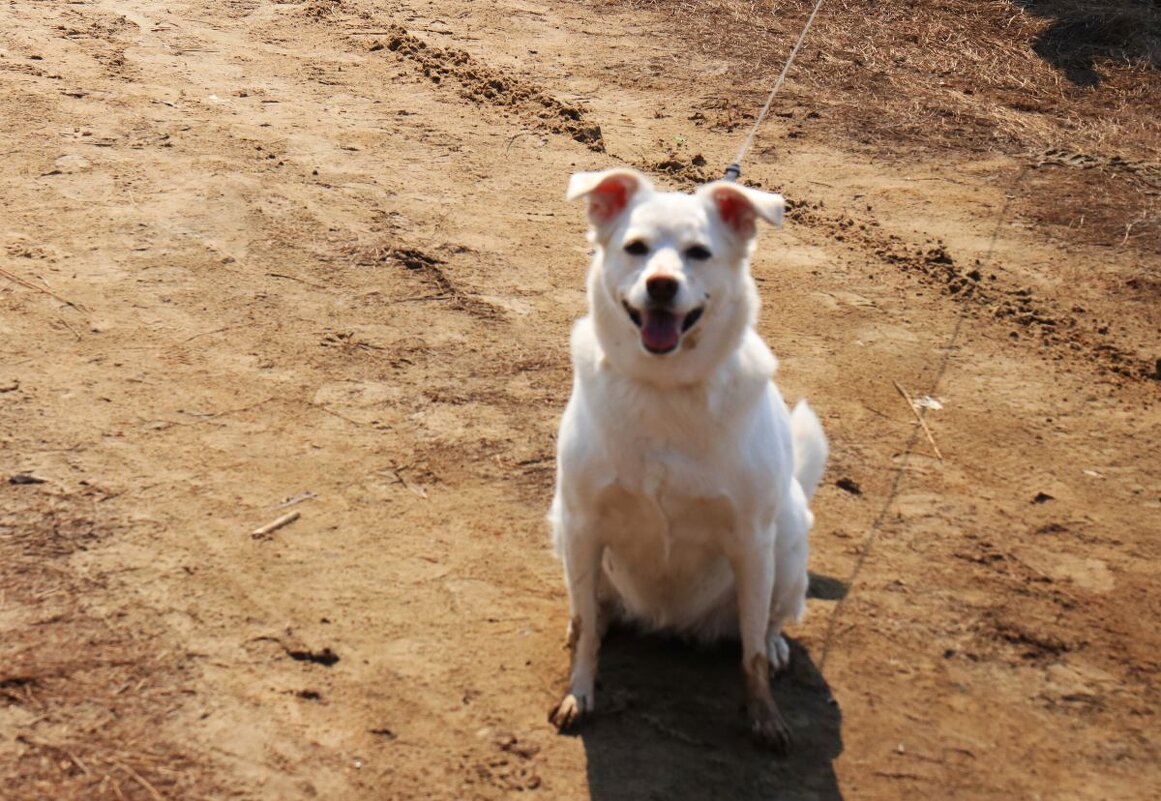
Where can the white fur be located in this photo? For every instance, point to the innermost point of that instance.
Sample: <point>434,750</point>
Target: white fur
<point>683,480</point>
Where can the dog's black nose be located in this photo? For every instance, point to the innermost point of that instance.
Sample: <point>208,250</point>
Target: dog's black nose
<point>661,288</point>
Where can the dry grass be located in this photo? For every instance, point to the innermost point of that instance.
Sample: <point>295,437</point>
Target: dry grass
<point>966,74</point>
<point>85,694</point>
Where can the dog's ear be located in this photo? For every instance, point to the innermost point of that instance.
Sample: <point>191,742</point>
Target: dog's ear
<point>608,191</point>
<point>740,206</point>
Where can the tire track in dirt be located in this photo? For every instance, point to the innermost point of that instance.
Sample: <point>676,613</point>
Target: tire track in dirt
<point>1060,331</point>
<point>484,85</point>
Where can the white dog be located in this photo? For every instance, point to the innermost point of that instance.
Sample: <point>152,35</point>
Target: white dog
<point>682,479</point>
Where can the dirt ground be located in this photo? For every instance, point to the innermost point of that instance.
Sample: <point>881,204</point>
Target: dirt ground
<point>317,253</point>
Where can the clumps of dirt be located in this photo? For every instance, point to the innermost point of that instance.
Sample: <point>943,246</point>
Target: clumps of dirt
<point>933,261</point>
<point>102,36</point>
<point>326,657</point>
<point>320,9</point>
<point>1036,619</point>
<point>457,395</point>
<point>1056,328</point>
<point>348,342</point>
<point>684,168</point>
<point>488,86</point>
<point>94,25</point>
<point>1066,332</point>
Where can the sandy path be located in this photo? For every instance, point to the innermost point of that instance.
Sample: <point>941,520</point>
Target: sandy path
<point>300,264</point>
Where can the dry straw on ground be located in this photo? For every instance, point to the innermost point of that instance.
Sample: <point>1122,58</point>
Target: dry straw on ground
<point>986,75</point>
<point>961,77</point>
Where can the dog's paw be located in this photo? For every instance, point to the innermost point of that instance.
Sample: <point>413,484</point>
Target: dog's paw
<point>768,727</point>
<point>777,651</point>
<point>571,710</point>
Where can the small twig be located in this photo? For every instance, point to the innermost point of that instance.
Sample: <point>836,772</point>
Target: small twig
<point>417,489</point>
<point>296,278</point>
<point>273,526</point>
<point>514,137</point>
<point>1129,228</point>
<point>141,780</point>
<point>333,413</point>
<point>209,333</point>
<point>299,498</point>
<point>72,330</point>
<point>418,298</point>
<point>49,746</point>
<point>244,408</point>
<point>919,417</point>
<point>29,285</point>
<point>212,415</point>
<point>934,178</point>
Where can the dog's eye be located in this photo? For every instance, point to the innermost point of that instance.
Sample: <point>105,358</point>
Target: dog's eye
<point>698,253</point>
<point>636,248</point>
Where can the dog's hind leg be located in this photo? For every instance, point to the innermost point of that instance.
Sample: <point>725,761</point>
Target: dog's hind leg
<point>788,601</point>
<point>754,575</point>
<point>582,553</point>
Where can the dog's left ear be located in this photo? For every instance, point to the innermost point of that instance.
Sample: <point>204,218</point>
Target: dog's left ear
<point>739,206</point>
<point>608,192</point>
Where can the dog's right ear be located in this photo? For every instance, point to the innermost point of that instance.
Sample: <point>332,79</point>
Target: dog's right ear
<point>607,191</point>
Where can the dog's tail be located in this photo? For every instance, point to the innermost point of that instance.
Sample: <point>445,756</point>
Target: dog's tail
<point>810,448</point>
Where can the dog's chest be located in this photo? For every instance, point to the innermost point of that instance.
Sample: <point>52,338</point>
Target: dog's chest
<point>667,486</point>
<point>665,551</point>
<point>664,505</point>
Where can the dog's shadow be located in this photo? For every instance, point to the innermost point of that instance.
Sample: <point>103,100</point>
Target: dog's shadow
<point>1084,36</point>
<point>669,726</point>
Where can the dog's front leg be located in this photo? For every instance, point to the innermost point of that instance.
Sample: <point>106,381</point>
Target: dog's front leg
<point>582,566</point>
<point>753,566</point>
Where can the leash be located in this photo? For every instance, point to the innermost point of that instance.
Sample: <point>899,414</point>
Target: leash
<point>734,171</point>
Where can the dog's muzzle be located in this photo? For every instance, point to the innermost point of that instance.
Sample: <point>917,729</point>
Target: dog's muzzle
<point>661,328</point>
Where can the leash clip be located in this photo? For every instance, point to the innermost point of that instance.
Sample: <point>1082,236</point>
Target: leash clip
<point>733,172</point>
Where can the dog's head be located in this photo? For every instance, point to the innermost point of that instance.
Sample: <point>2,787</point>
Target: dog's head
<point>671,270</point>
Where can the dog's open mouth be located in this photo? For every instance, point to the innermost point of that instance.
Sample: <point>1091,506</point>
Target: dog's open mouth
<point>661,329</point>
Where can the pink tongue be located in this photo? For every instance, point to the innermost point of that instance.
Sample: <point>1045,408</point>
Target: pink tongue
<point>660,330</point>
